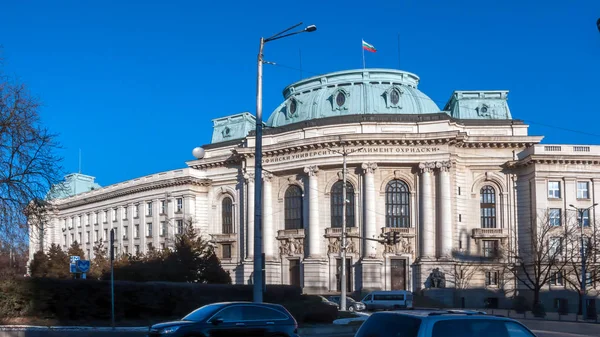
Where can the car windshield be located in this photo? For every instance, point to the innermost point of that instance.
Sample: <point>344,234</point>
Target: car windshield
<point>202,313</point>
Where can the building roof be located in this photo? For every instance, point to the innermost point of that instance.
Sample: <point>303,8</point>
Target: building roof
<point>74,183</point>
<point>352,92</point>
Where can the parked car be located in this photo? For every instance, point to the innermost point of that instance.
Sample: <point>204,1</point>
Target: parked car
<point>440,323</point>
<point>388,300</point>
<point>231,319</point>
<point>350,303</point>
<point>326,301</point>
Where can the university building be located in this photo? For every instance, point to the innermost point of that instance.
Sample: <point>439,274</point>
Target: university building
<point>462,180</point>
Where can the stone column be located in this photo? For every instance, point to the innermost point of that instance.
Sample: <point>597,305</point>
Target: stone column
<point>314,236</point>
<point>249,176</point>
<point>445,225</point>
<point>426,226</point>
<point>267,216</point>
<point>370,210</point>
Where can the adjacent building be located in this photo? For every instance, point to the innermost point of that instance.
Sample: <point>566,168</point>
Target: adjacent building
<point>455,182</point>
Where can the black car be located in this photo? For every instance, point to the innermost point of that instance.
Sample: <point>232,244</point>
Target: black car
<point>231,319</point>
<point>351,304</point>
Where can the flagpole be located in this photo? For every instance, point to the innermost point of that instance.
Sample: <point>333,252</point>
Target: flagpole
<point>363,52</point>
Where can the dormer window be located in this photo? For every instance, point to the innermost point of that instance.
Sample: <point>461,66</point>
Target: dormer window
<point>339,100</point>
<point>483,110</point>
<point>226,132</point>
<point>392,97</point>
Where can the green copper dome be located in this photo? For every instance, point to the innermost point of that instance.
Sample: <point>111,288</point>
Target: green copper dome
<point>352,92</point>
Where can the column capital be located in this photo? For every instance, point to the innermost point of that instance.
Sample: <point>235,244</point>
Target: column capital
<point>443,166</point>
<point>369,168</point>
<point>427,167</point>
<point>311,170</point>
<point>267,176</point>
<point>249,176</point>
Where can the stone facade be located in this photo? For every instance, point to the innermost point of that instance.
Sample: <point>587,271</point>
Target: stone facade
<point>426,176</point>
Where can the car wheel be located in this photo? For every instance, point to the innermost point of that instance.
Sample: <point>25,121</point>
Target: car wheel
<point>351,308</point>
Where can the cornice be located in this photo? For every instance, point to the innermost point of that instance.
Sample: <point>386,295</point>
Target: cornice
<point>144,187</point>
<point>548,159</point>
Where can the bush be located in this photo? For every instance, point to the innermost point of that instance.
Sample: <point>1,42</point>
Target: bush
<point>68,300</point>
<point>520,305</point>
<point>538,310</point>
<point>311,309</point>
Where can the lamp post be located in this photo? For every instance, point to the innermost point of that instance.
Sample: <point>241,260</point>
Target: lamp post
<point>343,245</point>
<point>258,249</point>
<point>583,271</point>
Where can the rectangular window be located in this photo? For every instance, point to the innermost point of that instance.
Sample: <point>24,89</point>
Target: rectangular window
<point>555,247</point>
<point>589,278</point>
<point>79,221</point>
<point>179,204</point>
<point>126,249</point>
<point>163,228</point>
<point>88,254</point>
<point>105,216</point>
<point>137,249</point>
<point>490,248</point>
<point>87,237</point>
<point>586,217</point>
<point>149,245</point>
<point>114,214</point>
<point>65,239</point>
<point>554,216</point>
<point>554,189</point>
<point>582,190</point>
<point>72,237</point>
<point>80,241</point>
<point>136,211</point>
<point>149,229</point>
<point>179,226</point>
<point>105,235</point>
<point>125,232</point>
<point>96,235</point>
<point>556,279</point>
<point>163,207</point>
<point>125,213</point>
<point>226,251</point>
<point>491,278</point>
<point>162,245</point>
<point>149,209</point>
<point>136,231</point>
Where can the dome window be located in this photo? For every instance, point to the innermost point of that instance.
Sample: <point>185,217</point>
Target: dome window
<point>392,97</point>
<point>483,110</point>
<point>339,100</point>
<point>226,132</point>
<point>293,106</point>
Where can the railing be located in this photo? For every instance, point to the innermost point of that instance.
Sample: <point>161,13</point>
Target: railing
<point>337,231</point>
<point>404,231</point>
<point>581,149</point>
<point>552,148</point>
<point>291,233</point>
<point>490,233</point>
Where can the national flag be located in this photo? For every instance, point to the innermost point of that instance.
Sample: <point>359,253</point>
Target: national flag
<point>368,47</point>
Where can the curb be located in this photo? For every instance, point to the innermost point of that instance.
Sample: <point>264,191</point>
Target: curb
<point>69,328</point>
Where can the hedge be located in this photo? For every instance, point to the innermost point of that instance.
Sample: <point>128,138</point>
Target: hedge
<point>87,300</point>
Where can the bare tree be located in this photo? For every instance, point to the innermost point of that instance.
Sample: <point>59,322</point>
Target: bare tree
<point>573,268</point>
<point>460,275</point>
<point>28,163</point>
<point>541,253</point>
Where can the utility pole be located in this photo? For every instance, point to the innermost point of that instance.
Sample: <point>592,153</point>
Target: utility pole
<point>343,245</point>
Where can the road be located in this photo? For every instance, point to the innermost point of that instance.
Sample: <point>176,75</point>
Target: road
<point>540,328</point>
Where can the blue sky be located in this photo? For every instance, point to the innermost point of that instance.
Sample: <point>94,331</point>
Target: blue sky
<point>135,84</point>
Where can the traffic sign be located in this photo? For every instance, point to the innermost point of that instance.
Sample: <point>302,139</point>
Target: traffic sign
<point>73,268</point>
<point>83,266</point>
<point>74,259</point>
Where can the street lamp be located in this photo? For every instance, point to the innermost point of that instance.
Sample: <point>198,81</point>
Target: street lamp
<point>258,250</point>
<point>583,271</point>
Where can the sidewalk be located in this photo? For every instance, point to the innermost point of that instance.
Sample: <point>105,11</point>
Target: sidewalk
<point>550,316</point>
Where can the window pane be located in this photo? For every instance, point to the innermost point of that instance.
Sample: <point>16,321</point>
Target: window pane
<point>293,207</point>
<point>487,207</point>
<point>337,203</point>
<point>397,204</point>
<point>231,314</point>
<point>469,328</point>
<point>227,215</point>
<point>256,313</point>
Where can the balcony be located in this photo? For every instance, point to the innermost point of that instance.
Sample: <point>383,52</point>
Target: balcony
<point>291,234</point>
<point>407,232</point>
<point>490,233</point>
<point>230,237</point>
<point>336,232</point>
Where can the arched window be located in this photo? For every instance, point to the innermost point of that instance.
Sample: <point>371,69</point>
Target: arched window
<point>227,215</point>
<point>397,205</point>
<point>337,203</point>
<point>487,206</point>
<point>293,207</point>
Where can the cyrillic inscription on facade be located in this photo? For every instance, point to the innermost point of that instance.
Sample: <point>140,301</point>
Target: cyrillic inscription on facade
<point>366,150</point>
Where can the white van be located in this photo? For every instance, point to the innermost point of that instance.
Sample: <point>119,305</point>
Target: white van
<point>388,300</point>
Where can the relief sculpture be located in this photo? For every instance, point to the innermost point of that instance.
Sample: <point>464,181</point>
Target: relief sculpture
<point>291,246</point>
